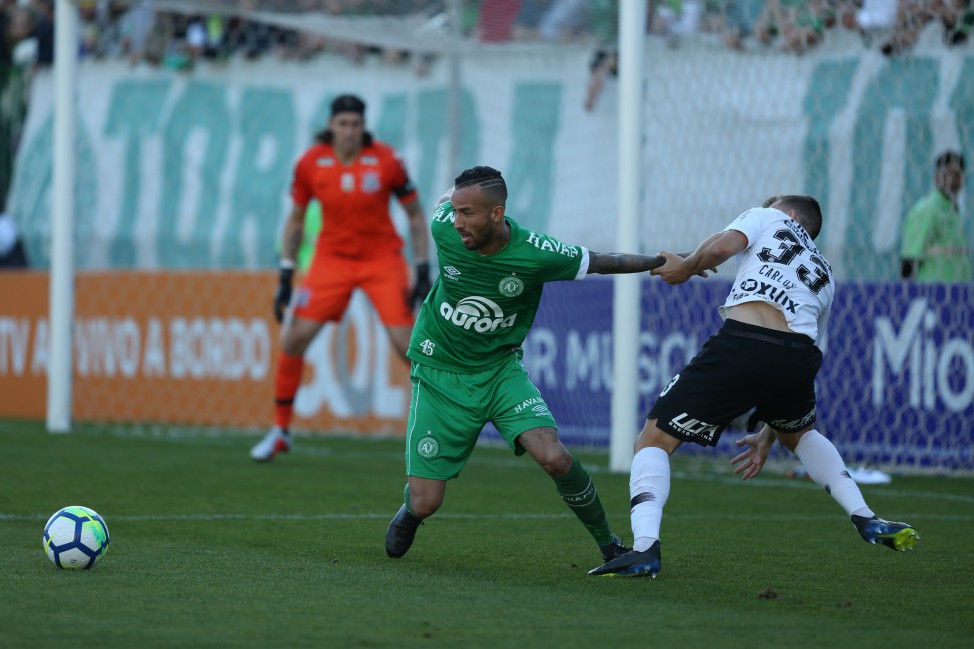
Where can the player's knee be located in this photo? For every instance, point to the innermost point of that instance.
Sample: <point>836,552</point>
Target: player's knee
<point>556,460</point>
<point>790,439</point>
<point>653,435</point>
<point>424,502</point>
<point>424,505</point>
<point>423,508</point>
<point>294,344</point>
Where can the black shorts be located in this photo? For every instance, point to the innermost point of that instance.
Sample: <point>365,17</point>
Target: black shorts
<point>739,368</point>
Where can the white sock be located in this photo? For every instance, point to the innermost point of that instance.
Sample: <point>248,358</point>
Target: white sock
<point>649,487</point>
<point>825,466</point>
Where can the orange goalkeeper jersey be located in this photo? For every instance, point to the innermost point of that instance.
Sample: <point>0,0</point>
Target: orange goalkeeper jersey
<point>354,199</point>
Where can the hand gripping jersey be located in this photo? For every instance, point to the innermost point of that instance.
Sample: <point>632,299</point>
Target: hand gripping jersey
<point>782,266</point>
<point>354,199</point>
<point>481,307</point>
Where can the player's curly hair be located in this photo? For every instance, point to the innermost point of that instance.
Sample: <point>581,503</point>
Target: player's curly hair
<point>490,180</point>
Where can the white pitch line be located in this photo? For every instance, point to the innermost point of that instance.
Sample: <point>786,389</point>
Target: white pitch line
<point>213,518</point>
<point>228,437</point>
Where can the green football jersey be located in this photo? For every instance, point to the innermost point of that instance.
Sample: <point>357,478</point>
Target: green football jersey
<point>933,234</point>
<point>482,306</point>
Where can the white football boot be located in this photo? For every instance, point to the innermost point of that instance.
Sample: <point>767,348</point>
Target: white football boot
<point>277,440</point>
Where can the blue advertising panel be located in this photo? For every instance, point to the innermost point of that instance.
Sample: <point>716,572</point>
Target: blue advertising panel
<point>896,386</point>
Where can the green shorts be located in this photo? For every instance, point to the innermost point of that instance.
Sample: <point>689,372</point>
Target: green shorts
<point>447,411</point>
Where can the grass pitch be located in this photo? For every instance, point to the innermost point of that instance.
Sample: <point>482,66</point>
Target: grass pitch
<point>209,549</point>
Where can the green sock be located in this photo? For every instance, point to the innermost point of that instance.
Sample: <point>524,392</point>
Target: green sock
<point>405,498</point>
<point>578,491</point>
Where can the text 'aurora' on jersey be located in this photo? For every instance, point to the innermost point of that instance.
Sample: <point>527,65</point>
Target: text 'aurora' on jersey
<point>477,313</point>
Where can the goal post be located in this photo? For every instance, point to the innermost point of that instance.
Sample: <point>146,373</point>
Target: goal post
<point>626,311</point>
<point>62,220</point>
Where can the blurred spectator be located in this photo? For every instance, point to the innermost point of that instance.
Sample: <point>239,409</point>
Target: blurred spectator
<point>868,16</point>
<point>528,19</point>
<point>956,17</point>
<point>795,25</point>
<point>675,18</point>
<point>496,20</point>
<point>12,252</point>
<point>934,246</point>
<point>604,64</point>
<point>134,29</point>
<point>43,31</point>
<point>564,20</point>
<point>16,25</point>
<point>739,21</point>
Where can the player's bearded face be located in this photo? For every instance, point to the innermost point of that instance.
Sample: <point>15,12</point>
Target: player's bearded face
<point>476,233</point>
<point>472,218</point>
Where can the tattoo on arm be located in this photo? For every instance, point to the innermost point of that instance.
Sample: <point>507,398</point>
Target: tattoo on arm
<point>612,263</point>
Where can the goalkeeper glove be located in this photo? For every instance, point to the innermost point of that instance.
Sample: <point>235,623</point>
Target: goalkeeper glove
<point>282,296</point>
<point>423,283</point>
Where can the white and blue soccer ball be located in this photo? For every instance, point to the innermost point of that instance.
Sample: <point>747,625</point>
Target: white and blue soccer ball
<point>75,538</point>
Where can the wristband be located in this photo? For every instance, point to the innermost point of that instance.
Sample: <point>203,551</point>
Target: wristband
<point>287,264</point>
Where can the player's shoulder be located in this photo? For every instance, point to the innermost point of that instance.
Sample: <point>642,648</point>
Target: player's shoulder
<point>540,243</point>
<point>929,203</point>
<point>318,154</point>
<point>443,213</point>
<point>761,215</point>
<point>382,150</point>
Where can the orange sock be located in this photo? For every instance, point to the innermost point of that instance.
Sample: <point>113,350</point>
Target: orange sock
<point>289,370</point>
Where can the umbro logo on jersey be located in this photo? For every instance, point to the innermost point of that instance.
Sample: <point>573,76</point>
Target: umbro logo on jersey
<point>325,162</point>
<point>477,313</point>
<point>451,273</point>
<point>535,404</point>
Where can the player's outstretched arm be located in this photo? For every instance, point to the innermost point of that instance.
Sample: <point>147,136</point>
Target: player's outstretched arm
<point>715,250</point>
<point>614,263</point>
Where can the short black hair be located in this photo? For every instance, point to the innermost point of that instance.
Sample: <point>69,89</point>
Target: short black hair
<point>489,179</point>
<point>347,104</point>
<point>949,158</point>
<point>344,104</point>
<point>809,212</point>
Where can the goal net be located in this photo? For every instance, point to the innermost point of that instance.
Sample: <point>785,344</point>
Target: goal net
<point>191,114</point>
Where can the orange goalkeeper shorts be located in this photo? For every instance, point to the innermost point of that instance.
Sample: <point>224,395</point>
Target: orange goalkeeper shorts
<point>327,288</point>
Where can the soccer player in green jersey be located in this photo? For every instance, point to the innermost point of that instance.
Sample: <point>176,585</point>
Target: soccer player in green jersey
<point>466,353</point>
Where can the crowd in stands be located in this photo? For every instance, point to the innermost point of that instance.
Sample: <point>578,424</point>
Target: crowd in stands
<point>140,31</point>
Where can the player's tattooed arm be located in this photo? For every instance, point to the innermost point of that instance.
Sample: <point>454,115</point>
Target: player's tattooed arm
<point>614,263</point>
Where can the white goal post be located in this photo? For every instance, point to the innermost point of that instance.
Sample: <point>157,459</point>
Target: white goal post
<point>62,220</point>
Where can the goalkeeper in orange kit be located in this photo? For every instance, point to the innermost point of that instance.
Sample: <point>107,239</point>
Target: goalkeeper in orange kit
<point>353,177</point>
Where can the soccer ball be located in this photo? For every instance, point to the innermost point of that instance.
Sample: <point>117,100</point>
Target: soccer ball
<point>75,538</point>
